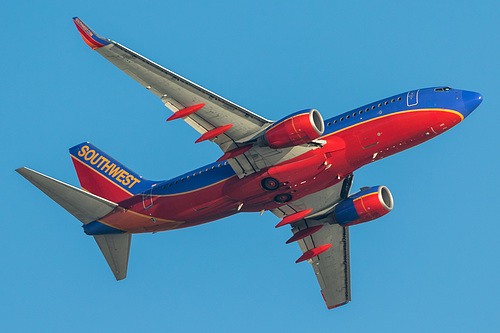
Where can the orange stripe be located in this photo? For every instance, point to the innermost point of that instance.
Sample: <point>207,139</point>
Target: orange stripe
<point>100,174</point>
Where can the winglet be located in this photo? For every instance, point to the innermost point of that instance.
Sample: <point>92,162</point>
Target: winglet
<point>89,36</point>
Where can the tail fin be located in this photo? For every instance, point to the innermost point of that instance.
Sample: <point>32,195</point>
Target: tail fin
<point>87,208</point>
<point>102,175</point>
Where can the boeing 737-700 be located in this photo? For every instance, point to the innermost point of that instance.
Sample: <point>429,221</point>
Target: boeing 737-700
<point>300,168</point>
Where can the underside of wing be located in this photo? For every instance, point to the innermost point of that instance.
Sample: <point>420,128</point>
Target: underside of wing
<point>178,93</point>
<point>332,267</point>
<point>230,126</point>
<point>324,243</point>
<point>321,202</point>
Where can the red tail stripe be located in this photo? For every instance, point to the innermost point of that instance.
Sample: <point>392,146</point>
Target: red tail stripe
<point>96,183</point>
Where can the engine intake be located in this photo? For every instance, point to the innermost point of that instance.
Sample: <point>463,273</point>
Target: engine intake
<point>363,206</point>
<point>296,129</point>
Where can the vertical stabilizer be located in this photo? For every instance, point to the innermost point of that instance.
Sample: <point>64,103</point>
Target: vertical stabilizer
<point>116,249</point>
<point>104,176</point>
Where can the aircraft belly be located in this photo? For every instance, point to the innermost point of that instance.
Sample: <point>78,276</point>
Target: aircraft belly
<point>308,173</point>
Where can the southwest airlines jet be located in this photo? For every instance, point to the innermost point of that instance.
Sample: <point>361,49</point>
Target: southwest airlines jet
<point>300,168</point>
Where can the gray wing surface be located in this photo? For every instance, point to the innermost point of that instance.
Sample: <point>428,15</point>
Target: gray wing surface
<point>177,93</point>
<point>321,202</point>
<point>332,267</point>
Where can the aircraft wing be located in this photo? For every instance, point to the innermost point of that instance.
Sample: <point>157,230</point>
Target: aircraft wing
<point>228,125</point>
<point>178,93</point>
<point>331,267</point>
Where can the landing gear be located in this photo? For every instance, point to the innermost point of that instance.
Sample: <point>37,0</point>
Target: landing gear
<point>270,184</point>
<point>283,198</point>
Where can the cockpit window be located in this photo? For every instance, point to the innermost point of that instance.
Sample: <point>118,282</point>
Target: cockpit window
<point>442,89</point>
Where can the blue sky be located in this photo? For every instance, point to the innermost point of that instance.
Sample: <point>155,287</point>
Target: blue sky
<point>429,265</point>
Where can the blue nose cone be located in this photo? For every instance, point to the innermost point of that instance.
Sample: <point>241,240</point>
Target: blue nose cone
<point>471,101</point>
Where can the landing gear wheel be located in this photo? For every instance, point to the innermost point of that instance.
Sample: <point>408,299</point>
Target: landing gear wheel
<point>283,198</point>
<point>270,184</point>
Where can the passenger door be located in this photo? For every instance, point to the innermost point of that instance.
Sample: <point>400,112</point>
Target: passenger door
<point>412,98</point>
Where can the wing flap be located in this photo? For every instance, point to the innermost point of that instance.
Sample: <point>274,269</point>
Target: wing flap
<point>177,93</point>
<point>332,267</point>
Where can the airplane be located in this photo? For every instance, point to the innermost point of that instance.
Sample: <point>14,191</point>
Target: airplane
<point>300,168</point>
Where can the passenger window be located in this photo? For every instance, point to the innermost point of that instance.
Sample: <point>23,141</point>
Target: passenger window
<point>347,117</point>
<point>386,102</point>
<point>399,98</point>
<point>393,100</point>
<point>373,107</point>
<point>335,121</point>
<point>328,124</point>
<point>341,119</point>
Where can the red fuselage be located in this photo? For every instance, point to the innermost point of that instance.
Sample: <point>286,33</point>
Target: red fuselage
<point>353,139</point>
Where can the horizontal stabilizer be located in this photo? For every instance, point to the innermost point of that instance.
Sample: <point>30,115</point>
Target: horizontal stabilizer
<point>85,206</point>
<point>116,249</point>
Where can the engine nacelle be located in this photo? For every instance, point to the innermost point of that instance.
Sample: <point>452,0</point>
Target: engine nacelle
<point>366,205</point>
<point>296,129</point>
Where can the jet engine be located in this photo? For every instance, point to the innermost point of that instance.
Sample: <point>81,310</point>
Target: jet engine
<point>295,129</point>
<point>366,205</point>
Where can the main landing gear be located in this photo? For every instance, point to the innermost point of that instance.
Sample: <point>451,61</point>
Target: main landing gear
<point>283,198</point>
<point>272,184</point>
